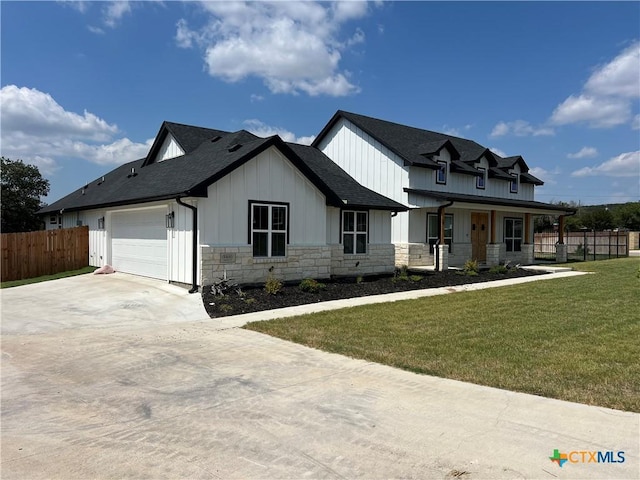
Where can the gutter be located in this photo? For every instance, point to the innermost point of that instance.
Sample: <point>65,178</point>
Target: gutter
<point>194,244</point>
<point>437,253</point>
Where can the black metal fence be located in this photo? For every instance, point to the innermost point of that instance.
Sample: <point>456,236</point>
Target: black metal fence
<point>583,245</point>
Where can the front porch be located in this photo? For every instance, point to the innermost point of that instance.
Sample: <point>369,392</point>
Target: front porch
<point>488,230</point>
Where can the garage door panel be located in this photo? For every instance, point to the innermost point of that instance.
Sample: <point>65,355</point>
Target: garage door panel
<point>139,242</point>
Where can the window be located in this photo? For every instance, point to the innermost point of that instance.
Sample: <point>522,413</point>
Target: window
<point>432,230</point>
<point>354,232</point>
<point>269,229</point>
<point>480,180</point>
<point>513,188</point>
<point>513,234</point>
<point>441,173</point>
<point>53,219</point>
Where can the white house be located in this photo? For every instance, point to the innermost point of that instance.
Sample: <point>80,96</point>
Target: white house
<point>462,196</point>
<point>205,201</point>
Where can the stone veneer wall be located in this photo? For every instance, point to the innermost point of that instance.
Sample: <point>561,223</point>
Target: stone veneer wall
<point>460,253</point>
<point>300,262</point>
<point>378,259</point>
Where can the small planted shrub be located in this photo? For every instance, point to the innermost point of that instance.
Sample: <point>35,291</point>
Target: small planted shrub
<point>359,279</point>
<point>415,278</point>
<point>401,274</point>
<point>499,269</point>
<point>272,286</point>
<point>311,286</point>
<point>471,268</point>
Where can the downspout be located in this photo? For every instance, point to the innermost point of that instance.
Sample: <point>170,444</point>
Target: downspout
<point>437,252</point>
<point>194,244</point>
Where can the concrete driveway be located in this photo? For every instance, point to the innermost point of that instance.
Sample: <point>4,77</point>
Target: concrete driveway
<point>122,377</point>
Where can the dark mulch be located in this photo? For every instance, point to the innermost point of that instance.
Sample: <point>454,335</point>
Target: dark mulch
<point>255,299</point>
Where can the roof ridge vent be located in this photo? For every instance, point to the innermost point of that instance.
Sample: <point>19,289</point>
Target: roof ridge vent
<point>234,147</point>
<point>133,172</point>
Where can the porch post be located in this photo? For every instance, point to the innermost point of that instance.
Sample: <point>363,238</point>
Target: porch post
<point>441,255</point>
<point>561,248</point>
<point>493,227</point>
<point>527,248</point>
<point>493,248</point>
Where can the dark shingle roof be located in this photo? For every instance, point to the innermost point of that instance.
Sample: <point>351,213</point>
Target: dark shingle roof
<point>411,144</point>
<point>348,191</point>
<point>459,197</point>
<point>192,173</point>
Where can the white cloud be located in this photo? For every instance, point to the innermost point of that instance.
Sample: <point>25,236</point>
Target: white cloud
<point>635,125</point>
<point>598,112</point>
<point>519,128</point>
<point>36,129</point>
<point>114,11</point>
<point>623,165</point>
<point>263,130</point>
<point>96,30</point>
<point>607,96</point>
<point>584,152</point>
<point>547,176</point>
<point>498,152</point>
<point>256,98</point>
<point>293,47</point>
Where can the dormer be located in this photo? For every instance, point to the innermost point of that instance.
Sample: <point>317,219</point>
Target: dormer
<point>169,149</point>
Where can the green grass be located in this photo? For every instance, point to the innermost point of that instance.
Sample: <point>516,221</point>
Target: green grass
<point>574,339</point>
<point>46,278</point>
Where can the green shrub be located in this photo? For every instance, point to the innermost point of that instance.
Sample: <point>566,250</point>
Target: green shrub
<point>471,267</point>
<point>359,279</point>
<point>499,269</point>
<point>310,285</point>
<point>415,278</point>
<point>401,274</point>
<point>272,286</point>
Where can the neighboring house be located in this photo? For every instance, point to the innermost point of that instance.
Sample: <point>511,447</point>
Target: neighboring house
<point>463,197</point>
<point>205,201</point>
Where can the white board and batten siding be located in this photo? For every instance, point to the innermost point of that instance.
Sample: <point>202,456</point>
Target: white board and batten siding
<point>269,177</point>
<point>379,226</point>
<point>169,149</point>
<point>372,165</point>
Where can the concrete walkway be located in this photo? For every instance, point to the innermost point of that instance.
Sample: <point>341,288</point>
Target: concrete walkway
<point>89,396</point>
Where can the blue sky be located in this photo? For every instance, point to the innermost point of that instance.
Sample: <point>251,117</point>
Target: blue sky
<point>86,85</point>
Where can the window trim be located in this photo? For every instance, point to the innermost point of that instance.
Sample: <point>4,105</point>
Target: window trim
<point>483,178</point>
<point>450,243</point>
<point>444,167</point>
<point>269,230</point>
<point>53,219</point>
<point>514,184</point>
<point>354,232</point>
<point>513,238</point>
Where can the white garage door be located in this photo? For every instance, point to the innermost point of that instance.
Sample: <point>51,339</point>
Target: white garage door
<point>139,242</point>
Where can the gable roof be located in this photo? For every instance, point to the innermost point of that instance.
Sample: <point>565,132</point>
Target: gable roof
<point>411,143</point>
<point>205,163</point>
<point>188,137</point>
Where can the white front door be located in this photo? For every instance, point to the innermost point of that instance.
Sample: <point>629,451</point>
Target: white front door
<point>139,242</point>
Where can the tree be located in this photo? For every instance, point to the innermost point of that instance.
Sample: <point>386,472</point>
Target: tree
<point>627,216</point>
<point>22,186</point>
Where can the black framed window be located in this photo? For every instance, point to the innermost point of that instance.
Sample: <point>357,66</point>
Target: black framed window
<point>355,230</point>
<point>432,230</point>
<point>513,232</point>
<point>513,187</point>
<point>269,229</point>
<point>441,173</point>
<point>482,179</point>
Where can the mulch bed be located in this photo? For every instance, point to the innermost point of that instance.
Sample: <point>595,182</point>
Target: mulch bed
<point>256,299</point>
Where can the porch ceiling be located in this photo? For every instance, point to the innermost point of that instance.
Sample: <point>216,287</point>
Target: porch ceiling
<point>491,203</point>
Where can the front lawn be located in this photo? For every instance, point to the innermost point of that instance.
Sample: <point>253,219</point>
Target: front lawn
<point>46,278</point>
<point>574,339</point>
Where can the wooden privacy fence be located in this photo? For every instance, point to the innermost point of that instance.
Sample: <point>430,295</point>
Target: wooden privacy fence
<point>32,254</point>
